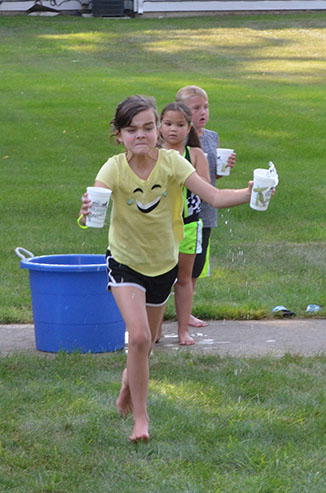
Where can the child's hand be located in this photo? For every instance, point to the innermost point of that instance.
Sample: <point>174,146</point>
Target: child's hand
<point>86,204</point>
<point>250,185</point>
<point>231,161</point>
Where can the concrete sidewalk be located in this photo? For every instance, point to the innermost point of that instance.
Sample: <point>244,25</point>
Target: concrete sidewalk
<point>235,338</point>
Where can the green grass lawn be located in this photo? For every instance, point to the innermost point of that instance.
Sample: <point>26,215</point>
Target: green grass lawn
<point>217,425</point>
<point>61,79</point>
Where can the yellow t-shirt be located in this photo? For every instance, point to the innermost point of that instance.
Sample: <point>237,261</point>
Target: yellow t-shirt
<point>146,218</point>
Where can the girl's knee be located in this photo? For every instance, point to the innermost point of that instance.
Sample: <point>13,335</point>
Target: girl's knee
<point>139,340</point>
<point>184,280</point>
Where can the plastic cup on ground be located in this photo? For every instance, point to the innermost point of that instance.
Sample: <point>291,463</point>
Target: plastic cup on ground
<point>312,308</point>
<point>222,156</point>
<point>262,189</point>
<point>100,198</point>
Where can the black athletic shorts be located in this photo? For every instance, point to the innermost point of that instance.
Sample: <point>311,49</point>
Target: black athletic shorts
<point>157,288</point>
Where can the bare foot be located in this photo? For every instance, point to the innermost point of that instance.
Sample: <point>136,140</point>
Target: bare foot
<point>123,402</point>
<point>140,432</point>
<point>196,322</point>
<point>185,339</point>
<point>141,438</point>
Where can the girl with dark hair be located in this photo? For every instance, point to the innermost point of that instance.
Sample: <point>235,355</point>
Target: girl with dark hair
<point>145,232</point>
<point>177,132</point>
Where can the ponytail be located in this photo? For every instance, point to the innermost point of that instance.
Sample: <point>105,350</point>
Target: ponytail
<point>193,139</point>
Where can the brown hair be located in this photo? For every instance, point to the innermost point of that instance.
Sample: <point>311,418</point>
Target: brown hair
<point>186,92</point>
<point>193,139</point>
<point>130,107</point>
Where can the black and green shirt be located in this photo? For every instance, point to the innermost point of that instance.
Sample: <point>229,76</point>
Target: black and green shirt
<point>191,201</point>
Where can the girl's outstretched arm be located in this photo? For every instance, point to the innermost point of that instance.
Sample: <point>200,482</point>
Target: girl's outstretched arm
<point>215,197</point>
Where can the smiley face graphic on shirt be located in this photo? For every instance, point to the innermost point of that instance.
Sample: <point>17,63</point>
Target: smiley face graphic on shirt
<point>147,206</point>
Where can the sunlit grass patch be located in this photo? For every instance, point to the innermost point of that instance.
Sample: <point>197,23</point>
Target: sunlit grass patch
<point>84,42</point>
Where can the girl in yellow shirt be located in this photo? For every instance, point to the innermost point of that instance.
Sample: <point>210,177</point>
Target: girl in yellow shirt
<point>145,232</point>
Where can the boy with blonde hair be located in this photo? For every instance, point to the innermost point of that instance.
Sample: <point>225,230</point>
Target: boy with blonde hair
<point>197,101</point>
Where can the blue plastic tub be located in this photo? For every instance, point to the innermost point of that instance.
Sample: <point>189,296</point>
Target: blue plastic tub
<point>72,309</point>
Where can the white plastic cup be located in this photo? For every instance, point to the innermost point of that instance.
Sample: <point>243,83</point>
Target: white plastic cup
<point>261,190</point>
<point>222,156</point>
<point>100,198</point>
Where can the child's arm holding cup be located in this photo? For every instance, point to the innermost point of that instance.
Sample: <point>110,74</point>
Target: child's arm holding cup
<point>219,199</point>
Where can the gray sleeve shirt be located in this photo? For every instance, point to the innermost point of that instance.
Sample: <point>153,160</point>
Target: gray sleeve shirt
<point>209,143</point>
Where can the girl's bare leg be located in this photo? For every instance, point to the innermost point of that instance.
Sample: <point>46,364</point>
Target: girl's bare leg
<point>194,321</point>
<point>155,316</point>
<point>133,393</point>
<point>183,295</point>
<point>123,402</point>
<point>159,332</point>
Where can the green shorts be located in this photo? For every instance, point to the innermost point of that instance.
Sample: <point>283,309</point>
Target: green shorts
<point>207,268</point>
<point>191,242</point>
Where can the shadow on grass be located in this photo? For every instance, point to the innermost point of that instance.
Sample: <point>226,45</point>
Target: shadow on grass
<point>217,46</point>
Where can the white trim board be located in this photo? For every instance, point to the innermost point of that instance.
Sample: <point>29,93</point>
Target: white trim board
<point>144,6</point>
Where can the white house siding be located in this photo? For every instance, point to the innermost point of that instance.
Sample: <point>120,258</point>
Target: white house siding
<point>177,7</point>
<point>158,6</point>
